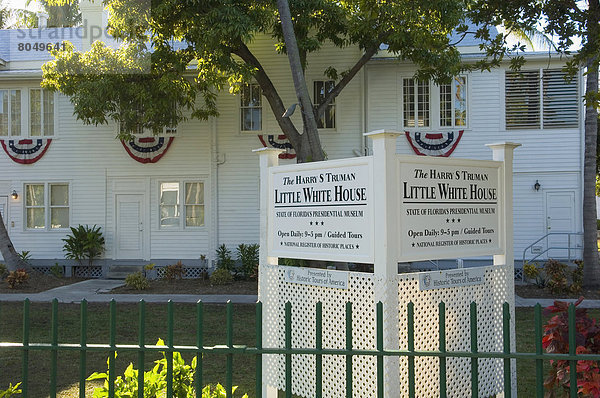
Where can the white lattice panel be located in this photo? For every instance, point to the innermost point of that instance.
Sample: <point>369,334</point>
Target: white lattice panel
<point>489,297</point>
<point>88,272</point>
<point>189,272</point>
<point>303,299</point>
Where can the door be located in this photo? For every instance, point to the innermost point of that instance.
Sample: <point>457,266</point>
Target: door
<point>560,217</point>
<point>130,227</point>
<point>4,209</point>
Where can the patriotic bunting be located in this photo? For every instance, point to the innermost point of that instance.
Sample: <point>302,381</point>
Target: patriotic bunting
<point>26,151</point>
<point>147,149</point>
<point>434,144</point>
<point>281,143</point>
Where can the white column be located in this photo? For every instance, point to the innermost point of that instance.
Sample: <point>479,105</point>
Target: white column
<point>385,207</point>
<point>268,157</point>
<point>503,152</point>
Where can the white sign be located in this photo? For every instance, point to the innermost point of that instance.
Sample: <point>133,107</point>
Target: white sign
<point>449,208</point>
<point>322,213</point>
<point>451,278</point>
<point>316,277</point>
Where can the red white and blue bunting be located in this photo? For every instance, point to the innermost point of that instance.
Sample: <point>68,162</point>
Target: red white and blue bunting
<point>26,151</point>
<point>440,144</point>
<point>147,149</point>
<point>280,143</point>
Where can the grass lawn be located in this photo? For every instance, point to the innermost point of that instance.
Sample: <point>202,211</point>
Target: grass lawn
<point>127,327</point>
<point>184,334</point>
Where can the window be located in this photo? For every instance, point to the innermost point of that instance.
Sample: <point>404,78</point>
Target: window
<point>140,131</point>
<point>194,204</point>
<point>425,105</point>
<point>36,103</point>
<point>453,103</point>
<point>10,112</point>
<point>251,108</point>
<point>321,89</point>
<point>47,206</point>
<point>541,99</point>
<point>41,112</point>
<point>175,213</point>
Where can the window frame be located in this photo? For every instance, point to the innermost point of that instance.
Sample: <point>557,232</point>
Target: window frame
<point>25,116</point>
<point>434,103</point>
<point>543,104</point>
<point>242,107</point>
<point>181,205</point>
<point>333,104</point>
<point>145,133</point>
<point>47,206</point>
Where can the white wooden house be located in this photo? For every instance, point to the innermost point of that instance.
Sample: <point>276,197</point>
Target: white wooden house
<point>202,190</point>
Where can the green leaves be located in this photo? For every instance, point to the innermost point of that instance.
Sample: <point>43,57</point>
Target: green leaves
<point>155,380</point>
<point>84,242</point>
<point>11,390</point>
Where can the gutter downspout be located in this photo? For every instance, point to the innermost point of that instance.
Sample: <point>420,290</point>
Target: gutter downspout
<point>365,110</point>
<point>215,190</point>
<point>582,86</point>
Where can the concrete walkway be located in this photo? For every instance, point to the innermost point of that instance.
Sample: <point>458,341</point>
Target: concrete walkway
<point>92,290</point>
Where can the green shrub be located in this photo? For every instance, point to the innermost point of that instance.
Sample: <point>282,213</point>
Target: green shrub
<point>84,242</point>
<point>557,276</point>
<point>221,276</point>
<point>224,259</point>
<point>56,270</point>
<point>577,278</point>
<point>155,380</point>
<point>174,271</point>
<point>532,272</point>
<point>597,224</point>
<point>17,278</point>
<point>25,256</point>
<point>248,257</point>
<point>137,281</point>
<point>10,391</point>
<point>3,271</point>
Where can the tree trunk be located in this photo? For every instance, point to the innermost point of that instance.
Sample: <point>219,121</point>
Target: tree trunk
<point>591,268</point>
<point>11,258</point>
<point>310,149</point>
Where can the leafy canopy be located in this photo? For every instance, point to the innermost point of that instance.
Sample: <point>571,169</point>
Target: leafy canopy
<point>173,50</point>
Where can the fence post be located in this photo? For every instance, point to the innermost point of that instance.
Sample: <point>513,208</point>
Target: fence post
<point>268,157</point>
<point>385,213</point>
<point>503,152</point>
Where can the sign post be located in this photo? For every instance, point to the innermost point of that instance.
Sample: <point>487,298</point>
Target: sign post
<point>385,269</point>
<point>268,157</point>
<point>382,210</point>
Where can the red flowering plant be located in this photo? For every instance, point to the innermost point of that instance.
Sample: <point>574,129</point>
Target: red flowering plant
<point>556,341</point>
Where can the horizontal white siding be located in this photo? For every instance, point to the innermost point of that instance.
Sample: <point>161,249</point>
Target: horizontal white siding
<point>87,157</point>
<point>552,156</point>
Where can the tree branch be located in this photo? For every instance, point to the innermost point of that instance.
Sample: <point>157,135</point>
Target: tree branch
<point>270,93</point>
<point>320,110</point>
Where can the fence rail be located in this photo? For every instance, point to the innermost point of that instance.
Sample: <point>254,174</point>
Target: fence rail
<point>229,349</point>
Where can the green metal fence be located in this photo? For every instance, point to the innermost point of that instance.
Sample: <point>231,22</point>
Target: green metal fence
<point>229,349</point>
